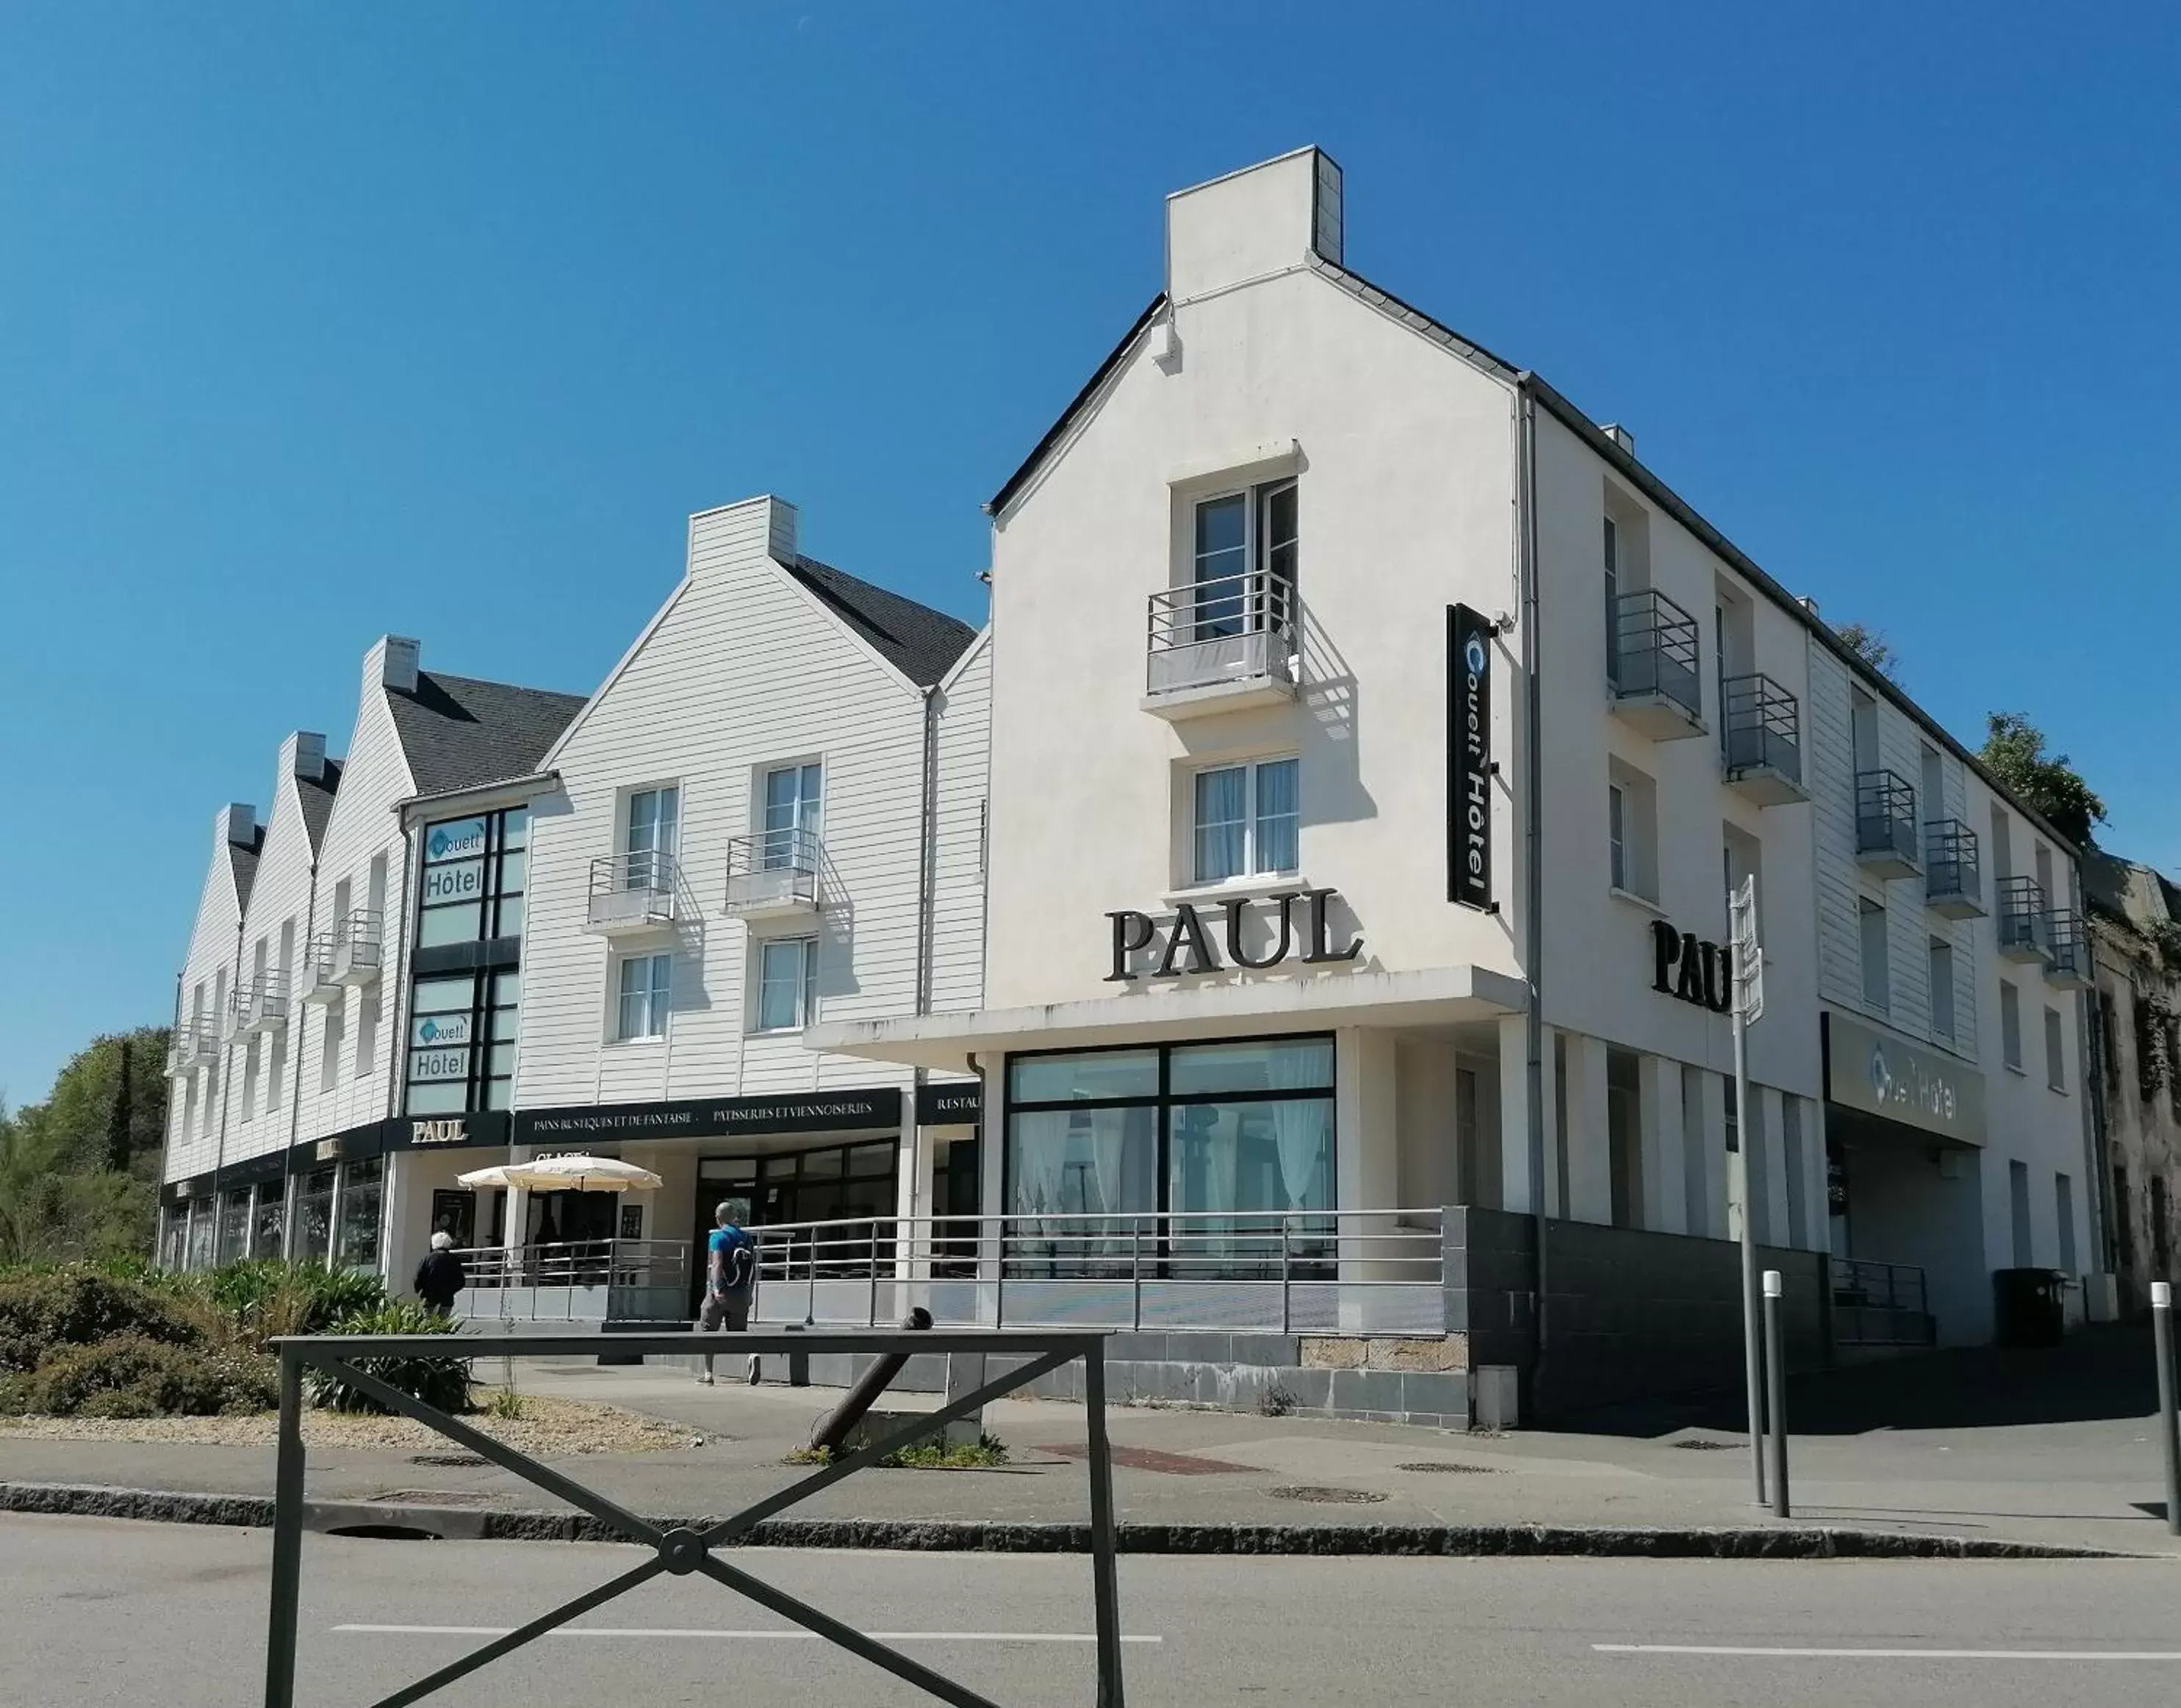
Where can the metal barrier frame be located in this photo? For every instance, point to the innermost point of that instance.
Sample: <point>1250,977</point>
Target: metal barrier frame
<point>684,1549</point>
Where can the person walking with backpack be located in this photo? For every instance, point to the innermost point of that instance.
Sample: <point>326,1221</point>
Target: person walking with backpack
<point>730,1278</point>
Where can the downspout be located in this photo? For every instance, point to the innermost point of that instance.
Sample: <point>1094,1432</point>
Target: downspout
<point>295,1090</point>
<point>927,906</point>
<point>1533,874</point>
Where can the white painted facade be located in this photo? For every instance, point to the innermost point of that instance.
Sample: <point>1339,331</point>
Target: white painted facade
<point>204,993</point>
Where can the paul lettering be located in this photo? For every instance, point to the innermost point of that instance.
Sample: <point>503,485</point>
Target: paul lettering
<point>1188,933</point>
<point>1132,931</point>
<point>1235,935</point>
<point>1320,948</point>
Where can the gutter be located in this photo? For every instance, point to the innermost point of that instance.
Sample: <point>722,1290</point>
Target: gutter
<point>531,784</point>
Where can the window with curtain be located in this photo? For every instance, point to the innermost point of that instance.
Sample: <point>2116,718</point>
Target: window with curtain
<point>651,831</point>
<point>646,981</point>
<point>793,799</point>
<point>787,983</point>
<point>1237,533</point>
<point>1247,821</point>
<point>1208,1159</point>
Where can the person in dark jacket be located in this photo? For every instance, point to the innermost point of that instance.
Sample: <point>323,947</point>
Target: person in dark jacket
<point>440,1277</point>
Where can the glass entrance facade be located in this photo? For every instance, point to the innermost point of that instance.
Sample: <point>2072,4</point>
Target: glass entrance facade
<point>1211,1157</point>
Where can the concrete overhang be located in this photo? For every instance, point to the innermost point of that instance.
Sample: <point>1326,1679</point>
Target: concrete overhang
<point>1430,996</point>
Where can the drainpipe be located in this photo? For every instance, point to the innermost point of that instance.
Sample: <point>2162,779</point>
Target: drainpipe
<point>927,906</point>
<point>1533,860</point>
<point>295,1091</point>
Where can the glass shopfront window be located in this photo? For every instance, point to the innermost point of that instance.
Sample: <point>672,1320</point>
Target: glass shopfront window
<point>362,1185</point>
<point>314,1215</point>
<point>173,1237</point>
<point>201,1234</point>
<point>234,1225</point>
<point>1215,1158</point>
<point>270,1226</point>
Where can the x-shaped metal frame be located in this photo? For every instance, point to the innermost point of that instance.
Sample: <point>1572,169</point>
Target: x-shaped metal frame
<point>684,1549</point>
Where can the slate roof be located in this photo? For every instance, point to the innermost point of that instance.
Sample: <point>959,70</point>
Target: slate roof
<point>458,732</point>
<point>922,644</point>
<point>317,795</point>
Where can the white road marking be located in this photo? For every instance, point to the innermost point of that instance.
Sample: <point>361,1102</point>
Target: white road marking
<point>788,1634</point>
<point>1890,1654</point>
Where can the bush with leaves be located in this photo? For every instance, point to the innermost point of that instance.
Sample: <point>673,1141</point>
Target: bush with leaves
<point>132,1376</point>
<point>266,1297</point>
<point>443,1383</point>
<point>79,1306</point>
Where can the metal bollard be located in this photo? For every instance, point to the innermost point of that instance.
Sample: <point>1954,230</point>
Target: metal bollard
<point>2169,1401</point>
<point>832,1429</point>
<point>1776,1368</point>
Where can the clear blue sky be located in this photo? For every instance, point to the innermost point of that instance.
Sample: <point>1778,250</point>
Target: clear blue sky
<point>320,320</point>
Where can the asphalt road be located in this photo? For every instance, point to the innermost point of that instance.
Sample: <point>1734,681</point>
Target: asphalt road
<point>94,1612</point>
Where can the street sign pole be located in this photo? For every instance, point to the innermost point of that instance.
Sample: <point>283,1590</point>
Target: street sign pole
<point>1749,989</point>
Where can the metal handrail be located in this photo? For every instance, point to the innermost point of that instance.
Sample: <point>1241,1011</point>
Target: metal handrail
<point>356,942</point>
<point>2066,944</point>
<point>1884,814</point>
<point>575,1263</point>
<point>1652,647</point>
<point>2021,913</point>
<point>636,887</point>
<point>774,868</point>
<point>261,998</point>
<point>1764,725</point>
<point>1254,601</point>
<point>1949,858</point>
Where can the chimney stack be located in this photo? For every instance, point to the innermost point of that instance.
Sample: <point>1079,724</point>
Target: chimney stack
<point>303,755</point>
<point>392,663</point>
<point>237,824</point>
<point>1620,435</point>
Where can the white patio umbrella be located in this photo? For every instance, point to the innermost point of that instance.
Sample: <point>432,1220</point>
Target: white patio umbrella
<point>566,1174</point>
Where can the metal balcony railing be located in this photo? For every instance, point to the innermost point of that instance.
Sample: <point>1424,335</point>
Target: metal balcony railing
<point>1237,630</point>
<point>356,947</point>
<point>1651,649</point>
<point>774,871</point>
<point>632,892</point>
<point>1299,1271</point>
<point>1952,884</point>
<point>592,1263</point>
<point>194,1041</point>
<point>2067,948</point>
<point>1885,821</point>
<point>1764,728</point>
<point>261,1003</point>
<point>2022,918</point>
<point>314,979</point>
<point>1880,1304</point>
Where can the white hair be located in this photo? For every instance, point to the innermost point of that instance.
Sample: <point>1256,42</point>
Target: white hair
<point>443,1241</point>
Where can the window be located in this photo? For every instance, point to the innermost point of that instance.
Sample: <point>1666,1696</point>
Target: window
<point>362,1193</point>
<point>233,1236</point>
<point>1243,560</point>
<point>1239,1137</point>
<point>1624,1135</point>
<point>250,1079</point>
<point>1877,978</point>
<point>2055,1054</point>
<point>1862,723</point>
<point>2017,1196</point>
<point>791,802</point>
<point>366,1032</point>
<point>269,1222</point>
<point>449,1016</point>
<point>1632,831</point>
<point>329,1047</point>
<point>1943,988</point>
<point>1246,822</point>
<point>474,871</point>
<point>650,835</point>
<point>2064,1202</point>
<point>2010,1025</point>
<point>314,1215</point>
<point>1612,550</point>
<point>787,983</point>
<point>645,981</point>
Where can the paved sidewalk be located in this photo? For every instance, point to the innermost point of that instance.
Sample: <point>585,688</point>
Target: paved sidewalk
<point>2085,1482</point>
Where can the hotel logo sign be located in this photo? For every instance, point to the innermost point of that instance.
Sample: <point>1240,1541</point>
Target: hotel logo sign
<point>1469,768</point>
<point>1868,1070</point>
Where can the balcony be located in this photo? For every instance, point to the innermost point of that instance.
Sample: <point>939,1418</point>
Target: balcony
<point>773,873</point>
<point>1953,887</point>
<point>194,1043</point>
<point>1886,843</point>
<point>2067,949</point>
<point>630,893</point>
<point>1221,646</point>
<point>262,1005</point>
<point>314,980</point>
<point>2022,919</point>
<point>356,948</point>
<point>1764,740</point>
<point>1651,665</point>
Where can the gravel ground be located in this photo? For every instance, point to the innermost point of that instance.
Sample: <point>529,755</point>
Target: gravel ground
<point>547,1428</point>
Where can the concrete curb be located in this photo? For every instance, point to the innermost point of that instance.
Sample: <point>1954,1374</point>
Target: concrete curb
<point>912,1535</point>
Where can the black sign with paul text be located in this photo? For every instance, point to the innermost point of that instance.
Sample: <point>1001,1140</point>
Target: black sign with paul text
<point>1469,768</point>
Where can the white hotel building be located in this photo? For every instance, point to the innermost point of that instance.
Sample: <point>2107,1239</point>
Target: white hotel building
<point>1309,886</point>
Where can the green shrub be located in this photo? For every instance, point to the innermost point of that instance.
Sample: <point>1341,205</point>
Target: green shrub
<point>266,1297</point>
<point>77,1306</point>
<point>443,1383</point>
<point>130,1376</point>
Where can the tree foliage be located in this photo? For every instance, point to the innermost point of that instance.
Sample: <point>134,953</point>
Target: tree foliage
<point>79,1173</point>
<point>2014,752</point>
<point>1873,648</point>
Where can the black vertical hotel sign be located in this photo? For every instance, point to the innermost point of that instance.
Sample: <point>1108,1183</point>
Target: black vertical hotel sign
<point>1469,760</point>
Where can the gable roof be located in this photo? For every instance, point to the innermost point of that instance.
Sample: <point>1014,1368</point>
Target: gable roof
<point>242,862</point>
<point>315,795</point>
<point>458,732</point>
<point>919,642</point>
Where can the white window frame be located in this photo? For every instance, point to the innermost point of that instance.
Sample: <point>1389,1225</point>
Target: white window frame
<point>772,858</point>
<point>1253,864</point>
<point>806,984</point>
<point>1616,836</point>
<point>640,875</point>
<point>656,995</point>
<point>2055,1050</point>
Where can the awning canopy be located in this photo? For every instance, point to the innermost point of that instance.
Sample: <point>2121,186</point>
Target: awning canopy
<point>1148,1013</point>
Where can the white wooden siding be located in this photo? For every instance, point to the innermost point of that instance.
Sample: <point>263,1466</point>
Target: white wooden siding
<point>743,669</point>
<point>957,924</point>
<point>281,893</point>
<point>192,1146</point>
